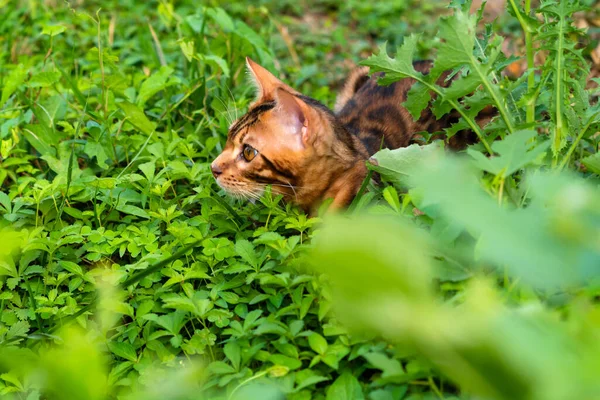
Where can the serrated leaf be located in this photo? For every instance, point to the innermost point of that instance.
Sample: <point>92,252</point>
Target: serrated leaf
<point>395,68</point>
<point>458,39</point>
<point>245,249</point>
<point>514,152</point>
<point>18,329</point>
<point>123,350</point>
<point>592,163</point>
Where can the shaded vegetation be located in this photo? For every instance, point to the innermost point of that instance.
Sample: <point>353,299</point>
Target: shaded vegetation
<point>126,273</point>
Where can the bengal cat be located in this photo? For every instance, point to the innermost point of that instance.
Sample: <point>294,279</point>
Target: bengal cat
<point>308,153</point>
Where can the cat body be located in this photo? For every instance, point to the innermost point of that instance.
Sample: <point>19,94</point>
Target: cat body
<point>308,153</point>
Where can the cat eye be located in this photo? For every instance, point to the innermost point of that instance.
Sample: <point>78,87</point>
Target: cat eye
<point>249,153</point>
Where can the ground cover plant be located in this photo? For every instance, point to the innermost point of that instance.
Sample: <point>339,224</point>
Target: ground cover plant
<point>126,273</point>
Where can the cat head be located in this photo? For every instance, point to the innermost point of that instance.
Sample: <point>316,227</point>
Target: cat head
<point>278,142</point>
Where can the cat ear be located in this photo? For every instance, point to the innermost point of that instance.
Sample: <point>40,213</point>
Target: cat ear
<point>266,83</point>
<point>293,114</point>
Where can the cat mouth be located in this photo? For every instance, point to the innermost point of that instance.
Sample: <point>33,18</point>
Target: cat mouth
<point>240,190</point>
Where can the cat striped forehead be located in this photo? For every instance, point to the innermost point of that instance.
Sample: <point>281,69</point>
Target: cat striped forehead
<point>249,119</point>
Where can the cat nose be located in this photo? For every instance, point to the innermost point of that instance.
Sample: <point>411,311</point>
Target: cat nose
<point>216,170</point>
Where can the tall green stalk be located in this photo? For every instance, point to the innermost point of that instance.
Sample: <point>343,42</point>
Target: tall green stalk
<point>530,56</point>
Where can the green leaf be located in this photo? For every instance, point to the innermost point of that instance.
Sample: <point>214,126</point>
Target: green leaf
<point>220,368</point>
<point>390,367</point>
<point>280,359</point>
<point>399,165</point>
<point>136,117</point>
<point>395,68</point>
<point>317,343</point>
<point>345,387</point>
<point>44,79</point>
<point>458,39</point>
<point>12,82</point>
<point>133,210</point>
<point>233,353</point>
<point>18,329</point>
<point>36,136</point>
<point>71,267</point>
<point>222,18</point>
<point>245,249</point>
<point>53,30</point>
<point>123,350</point>
<point>95,149</point>
<point>217,61</point>
<point>154,84</point>
<point>592,163</point>
<point>5,202</point>
<point>514,152</point>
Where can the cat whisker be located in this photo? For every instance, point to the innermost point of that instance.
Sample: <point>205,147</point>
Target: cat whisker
<point>228,111</point>
<point>233,98</point>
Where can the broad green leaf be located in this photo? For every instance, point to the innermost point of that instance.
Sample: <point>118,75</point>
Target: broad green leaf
<point>245,249</point>
<point>317,343</point>
<point>399,164</point>
<point>136,117</point>
<point>221,17</point>
<point>280,359</point>
<point>95,149</point>
<point>514,152</point>
<point>592,163</point>
<point>153,84</point>
<point>219,62</point>
<point>345,387</point>
<point>53,30</point>
<point>71,267</point>
<point>390,367</point>
<point>36,136</point>
<point>133,210</point>
<point>12,82</point>
<point>44,79</point>
<point>123,350</point>
<point>233,353</point>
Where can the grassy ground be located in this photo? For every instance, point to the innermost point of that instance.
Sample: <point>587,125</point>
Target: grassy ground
<point>126,273</point>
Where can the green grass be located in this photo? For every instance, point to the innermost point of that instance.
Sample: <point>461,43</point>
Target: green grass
<point>125,272</point>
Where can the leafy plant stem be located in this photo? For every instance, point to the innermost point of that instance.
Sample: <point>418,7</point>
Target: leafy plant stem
<point>530,56</point>
<point>499,105</point>
<point>577,140</point>
<point>472,124</point>
<point>558,82</point>
<point>242,383</point>
<point>501,190</point>
<point>101,62</point>
<point>34,307</point>
<point>435,388</point>
<point>362,189</point>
